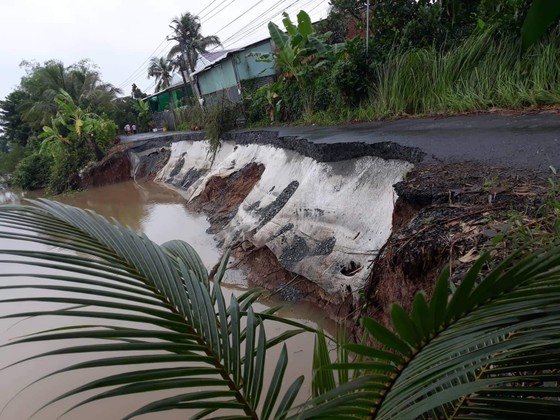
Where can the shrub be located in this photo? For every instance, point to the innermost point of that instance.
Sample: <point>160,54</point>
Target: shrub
<point>10,159</point>
<point>183,127</point>
<point>323,93</point>
<point>257,106</point>
<point>66,166</point>
<point>193,116</point>
<point>33,172</point>
<point>293,101</point>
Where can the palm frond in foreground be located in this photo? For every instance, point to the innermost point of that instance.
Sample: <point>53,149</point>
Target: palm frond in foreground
<point>171,312</point>
<point>490,350</point>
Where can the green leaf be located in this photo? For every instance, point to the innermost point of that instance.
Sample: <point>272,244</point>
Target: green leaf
<point>542,14</point>
<point>405,327</point>
<point>286,402</point>
<point>386,337</point>
<point>290,27</point>
<point>305,27</point>
<point>279,38</point>
<point>323,378</point>
<point>275,384</point>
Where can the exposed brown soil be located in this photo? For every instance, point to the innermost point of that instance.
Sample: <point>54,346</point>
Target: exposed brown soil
<point>223,195</point>
<point>263,269</point>
<point>446,215</point>
<point>115,167</point>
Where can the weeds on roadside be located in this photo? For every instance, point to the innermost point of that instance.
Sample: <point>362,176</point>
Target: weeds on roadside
<point>219,118</point>
<point>535,229</point>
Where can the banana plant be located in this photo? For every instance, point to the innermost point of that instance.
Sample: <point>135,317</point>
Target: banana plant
<point>542,15</point>
<point>301,52</point>
<point>172,312</point>
<point>491,349</point>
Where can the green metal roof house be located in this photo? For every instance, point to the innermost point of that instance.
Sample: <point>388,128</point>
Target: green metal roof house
<point>234,70</point>
<point>159,101</point>
<point>221,74</point>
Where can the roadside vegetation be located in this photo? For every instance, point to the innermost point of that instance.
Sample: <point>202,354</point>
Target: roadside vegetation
<point>60,119</point>
<point>423,58</point>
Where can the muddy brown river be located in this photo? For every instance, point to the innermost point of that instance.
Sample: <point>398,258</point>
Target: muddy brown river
<point>161,214</point>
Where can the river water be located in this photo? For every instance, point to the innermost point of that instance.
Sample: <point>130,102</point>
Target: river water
<point>160,213</point>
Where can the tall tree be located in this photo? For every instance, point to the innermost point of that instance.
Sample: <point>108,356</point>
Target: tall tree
<point>14,128</point>
<point>82,81</point>
<point>162,69</point>
<point>190,41</point>
<point>190,44</point>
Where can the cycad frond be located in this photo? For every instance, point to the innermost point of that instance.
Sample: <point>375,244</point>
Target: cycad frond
<point>491,349</point>
<point>171,310</point>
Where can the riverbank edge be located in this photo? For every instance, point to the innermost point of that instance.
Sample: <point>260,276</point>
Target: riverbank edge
<point>421,202</point>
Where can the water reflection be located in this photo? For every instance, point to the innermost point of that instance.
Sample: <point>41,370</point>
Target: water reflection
<point>161,214</point>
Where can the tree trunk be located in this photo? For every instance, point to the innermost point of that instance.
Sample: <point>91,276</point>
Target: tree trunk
<point>185,83</point>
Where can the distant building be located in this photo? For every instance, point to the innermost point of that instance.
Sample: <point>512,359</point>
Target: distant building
<point>221,74</point>
<point>159,101</point>
<point>235,71</point>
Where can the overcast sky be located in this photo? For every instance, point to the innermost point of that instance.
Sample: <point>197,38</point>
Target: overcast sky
<point>121,35</point>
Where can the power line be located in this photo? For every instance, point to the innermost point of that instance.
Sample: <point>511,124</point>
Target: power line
<point>203,17</point>
<point>259,25</point>
<point>241,15</point>
<point>318,4</point>
<point>149,86</point>
<point>127,80</point>
<point>251,29</point>
<point>252,25</point>
<point>218,12</point>
<point>256,18</point>
<point>140,72</point>
<point>142,64</point>
<point>210,4</point>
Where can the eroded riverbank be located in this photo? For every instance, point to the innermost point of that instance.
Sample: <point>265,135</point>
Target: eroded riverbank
<point>308,220</point>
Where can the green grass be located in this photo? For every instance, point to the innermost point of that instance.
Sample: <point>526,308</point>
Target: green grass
<point>485,71</point>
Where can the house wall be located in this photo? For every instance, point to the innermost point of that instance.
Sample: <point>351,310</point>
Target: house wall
<point>248,66</point>
<point>220,80</point>
<point>160,102</point>
<point>217,78</point>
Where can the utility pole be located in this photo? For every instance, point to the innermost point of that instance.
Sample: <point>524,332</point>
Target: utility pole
<point>367,29</point>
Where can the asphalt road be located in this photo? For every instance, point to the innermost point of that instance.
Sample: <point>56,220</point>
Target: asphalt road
<point>530,141</point>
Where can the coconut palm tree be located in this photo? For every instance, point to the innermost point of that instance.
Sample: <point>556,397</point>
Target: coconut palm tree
<point>81,81</point>
<point>190,44</point>
<point>162,69</point>
<point>186,31</point>
<point>490,348</point>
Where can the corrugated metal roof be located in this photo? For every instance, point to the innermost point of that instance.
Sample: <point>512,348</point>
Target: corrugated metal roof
<point>205,61</point>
